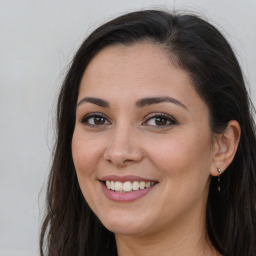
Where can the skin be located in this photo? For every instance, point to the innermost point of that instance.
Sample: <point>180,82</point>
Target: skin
<point>180,155</point>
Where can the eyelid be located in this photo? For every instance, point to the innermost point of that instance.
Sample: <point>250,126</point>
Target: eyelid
<point>85,118</point>
<point>169,118</point>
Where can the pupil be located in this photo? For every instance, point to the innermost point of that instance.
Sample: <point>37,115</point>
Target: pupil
<point>160,121</point>
<point>99,120</point>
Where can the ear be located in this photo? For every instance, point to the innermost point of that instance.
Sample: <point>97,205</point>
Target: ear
<point>225,146</point>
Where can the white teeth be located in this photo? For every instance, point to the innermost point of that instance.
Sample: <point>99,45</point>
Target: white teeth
<point>135,185</point>
<point>127,186</point>
<point>147,184</point>
<point>118,186</point>
<point>108,184</point>
<point>112,185</point>
<point>142,184</point>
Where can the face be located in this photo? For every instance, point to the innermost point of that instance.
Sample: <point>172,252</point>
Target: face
<point>142,145</point>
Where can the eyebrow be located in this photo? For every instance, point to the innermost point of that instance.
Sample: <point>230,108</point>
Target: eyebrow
<point>155,100</point>
<point>140,103</point>
<point>96,101</point>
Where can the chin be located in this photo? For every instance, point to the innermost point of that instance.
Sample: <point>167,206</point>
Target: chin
<point>126,225</point>
<point>125,230</point>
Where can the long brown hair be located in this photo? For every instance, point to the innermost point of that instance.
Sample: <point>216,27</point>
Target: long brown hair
<point>70,227</point>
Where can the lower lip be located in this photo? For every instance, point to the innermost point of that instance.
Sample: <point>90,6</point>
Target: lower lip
<point>125,196</point>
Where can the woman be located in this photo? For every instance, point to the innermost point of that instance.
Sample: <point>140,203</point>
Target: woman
<point>156,147</point>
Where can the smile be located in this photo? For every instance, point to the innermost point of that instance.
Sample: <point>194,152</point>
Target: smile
<point>128,186</point>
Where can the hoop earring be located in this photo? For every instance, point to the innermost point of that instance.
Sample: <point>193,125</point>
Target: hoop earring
<point>219,171</point>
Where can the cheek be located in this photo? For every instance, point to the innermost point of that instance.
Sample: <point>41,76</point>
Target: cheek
<point>86,158</point>
<point>85,154</point>
<point>183,157</point>
<point>183,164</point>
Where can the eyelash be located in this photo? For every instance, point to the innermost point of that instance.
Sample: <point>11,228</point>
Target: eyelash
<point>85,119</point>
<point>169,119</point>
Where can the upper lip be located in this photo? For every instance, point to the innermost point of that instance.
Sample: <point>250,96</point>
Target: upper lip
<point>125,178</point>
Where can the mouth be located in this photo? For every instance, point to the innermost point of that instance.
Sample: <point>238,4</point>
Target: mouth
<point>127,186</point>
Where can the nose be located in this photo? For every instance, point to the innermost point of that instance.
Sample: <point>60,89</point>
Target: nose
<point>123,147</point>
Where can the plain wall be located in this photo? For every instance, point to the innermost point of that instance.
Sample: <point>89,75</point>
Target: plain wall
<point>37,42</point>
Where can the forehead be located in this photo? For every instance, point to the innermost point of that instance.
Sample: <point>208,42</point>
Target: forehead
<point>137,53</point>
<point>140,64</point>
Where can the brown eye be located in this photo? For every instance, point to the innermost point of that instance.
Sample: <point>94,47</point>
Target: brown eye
<point>95,120</point>
<point>98,120</point>
<point>160,120</point>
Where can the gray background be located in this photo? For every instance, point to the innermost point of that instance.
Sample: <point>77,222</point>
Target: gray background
<point>37,41</point>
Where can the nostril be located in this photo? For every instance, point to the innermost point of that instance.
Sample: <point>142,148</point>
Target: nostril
<point>128,160</point>
<point>126,156</point>
<point>122,152</point>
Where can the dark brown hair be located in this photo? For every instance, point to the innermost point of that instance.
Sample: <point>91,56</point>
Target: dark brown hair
<point>70,227</point>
